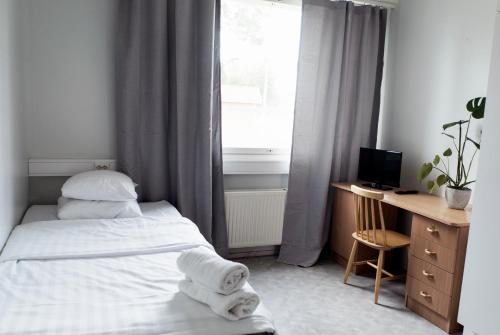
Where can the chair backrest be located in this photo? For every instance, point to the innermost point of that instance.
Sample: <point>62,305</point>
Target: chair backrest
<point>366,205</point>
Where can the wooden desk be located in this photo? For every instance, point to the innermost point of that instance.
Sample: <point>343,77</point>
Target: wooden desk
<point>437,251</point>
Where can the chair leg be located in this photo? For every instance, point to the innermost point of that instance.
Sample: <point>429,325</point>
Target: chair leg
<point>378,278</point>
<point>351,260</point>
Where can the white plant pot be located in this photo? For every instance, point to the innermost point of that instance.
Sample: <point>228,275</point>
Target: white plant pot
<point>457,199</point>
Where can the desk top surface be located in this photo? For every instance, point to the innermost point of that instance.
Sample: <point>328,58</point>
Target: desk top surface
<point>427,205</point>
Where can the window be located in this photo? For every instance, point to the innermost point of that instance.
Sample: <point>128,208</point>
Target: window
<point>259,53</point>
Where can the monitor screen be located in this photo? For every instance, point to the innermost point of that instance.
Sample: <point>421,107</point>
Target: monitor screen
<point>381,167</point>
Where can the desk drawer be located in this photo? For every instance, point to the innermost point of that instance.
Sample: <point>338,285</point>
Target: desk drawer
<point>430,275</point>
<point>434,231</point>
<point>428,296</point>
<point>433,253</point>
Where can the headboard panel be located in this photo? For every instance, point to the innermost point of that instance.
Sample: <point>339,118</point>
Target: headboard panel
<point>66,167</point>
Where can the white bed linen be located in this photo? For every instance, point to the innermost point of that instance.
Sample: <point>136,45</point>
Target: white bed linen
<point>104,293</point>
<point>49,212</point>
<point>75,209</point>
<point>65,239</point>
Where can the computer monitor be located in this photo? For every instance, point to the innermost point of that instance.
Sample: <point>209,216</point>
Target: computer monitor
<point>380,168</point>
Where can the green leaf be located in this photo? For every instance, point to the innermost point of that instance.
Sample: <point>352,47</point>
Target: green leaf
<point>447,152</point>
<point>435,188</point>
<point>450,136</point>
<point>478,146</point>
<point>436,160</point>
<point>432,186</point>
<point>449,125</point>
<point>476,107</point>
<point>467,183</point>
<point>452,124</point>
<point>429,185</point>
<point>441,180</point>
<point>424,171</point>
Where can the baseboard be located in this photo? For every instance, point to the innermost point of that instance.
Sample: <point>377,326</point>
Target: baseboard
<point>271,250</point>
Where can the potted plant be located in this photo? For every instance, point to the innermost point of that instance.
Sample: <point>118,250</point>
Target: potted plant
<point>457,191</point>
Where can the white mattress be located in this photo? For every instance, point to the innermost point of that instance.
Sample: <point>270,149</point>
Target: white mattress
<point>49,212</point>
<point>72,277</point>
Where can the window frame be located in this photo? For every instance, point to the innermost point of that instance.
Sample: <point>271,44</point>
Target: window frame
<point>254,161</point>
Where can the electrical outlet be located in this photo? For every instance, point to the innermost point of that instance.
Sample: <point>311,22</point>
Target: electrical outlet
<point>104,164</point>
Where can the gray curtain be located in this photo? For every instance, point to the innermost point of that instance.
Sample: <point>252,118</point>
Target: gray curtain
<point>336,112</point>
<point>168,107</point>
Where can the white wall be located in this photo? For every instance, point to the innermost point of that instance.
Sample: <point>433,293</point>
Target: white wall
<point>13,162</point>
<point>438,58</point>
<point>479,305</point>
<point>67,55</point>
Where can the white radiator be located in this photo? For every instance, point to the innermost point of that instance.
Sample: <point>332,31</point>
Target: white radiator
<point>254,217</point>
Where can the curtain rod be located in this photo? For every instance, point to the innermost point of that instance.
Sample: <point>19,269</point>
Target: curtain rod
<point>381,3</point>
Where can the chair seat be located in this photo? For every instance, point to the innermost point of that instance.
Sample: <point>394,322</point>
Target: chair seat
<point>394,239</point>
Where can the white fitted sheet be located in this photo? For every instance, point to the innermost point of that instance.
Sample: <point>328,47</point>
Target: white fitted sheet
<point>66,290</point>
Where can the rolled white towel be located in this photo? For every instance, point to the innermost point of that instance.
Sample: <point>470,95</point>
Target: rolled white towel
<point>208,269</point>
<point>235,306</point>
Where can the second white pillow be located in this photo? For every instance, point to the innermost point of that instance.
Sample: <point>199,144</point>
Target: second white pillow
<point>73,209</point>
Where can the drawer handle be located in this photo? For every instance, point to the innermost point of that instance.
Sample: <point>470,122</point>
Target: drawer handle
<point>432,230</point>
<point>429,252</point>
<point>425,295</point>
<point>427,274</point>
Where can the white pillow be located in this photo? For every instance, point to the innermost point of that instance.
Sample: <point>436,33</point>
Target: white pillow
<point>73,209</point>
<point>100,185</point>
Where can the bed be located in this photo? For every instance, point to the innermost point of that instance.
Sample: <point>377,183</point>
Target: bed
<point>114,276</point>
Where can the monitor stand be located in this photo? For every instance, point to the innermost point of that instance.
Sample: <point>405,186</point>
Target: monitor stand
<point>377,186</point>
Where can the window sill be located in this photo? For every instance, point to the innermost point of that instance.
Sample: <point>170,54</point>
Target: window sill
<point>255,161</point>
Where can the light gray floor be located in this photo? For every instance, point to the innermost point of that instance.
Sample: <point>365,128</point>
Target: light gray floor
<point>315,301</point>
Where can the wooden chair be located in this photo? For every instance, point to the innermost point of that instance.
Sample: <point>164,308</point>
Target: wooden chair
<point>366,205</point>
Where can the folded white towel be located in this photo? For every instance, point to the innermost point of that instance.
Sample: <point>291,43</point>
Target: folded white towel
<point>208,269</point>
<point>235,306</point>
